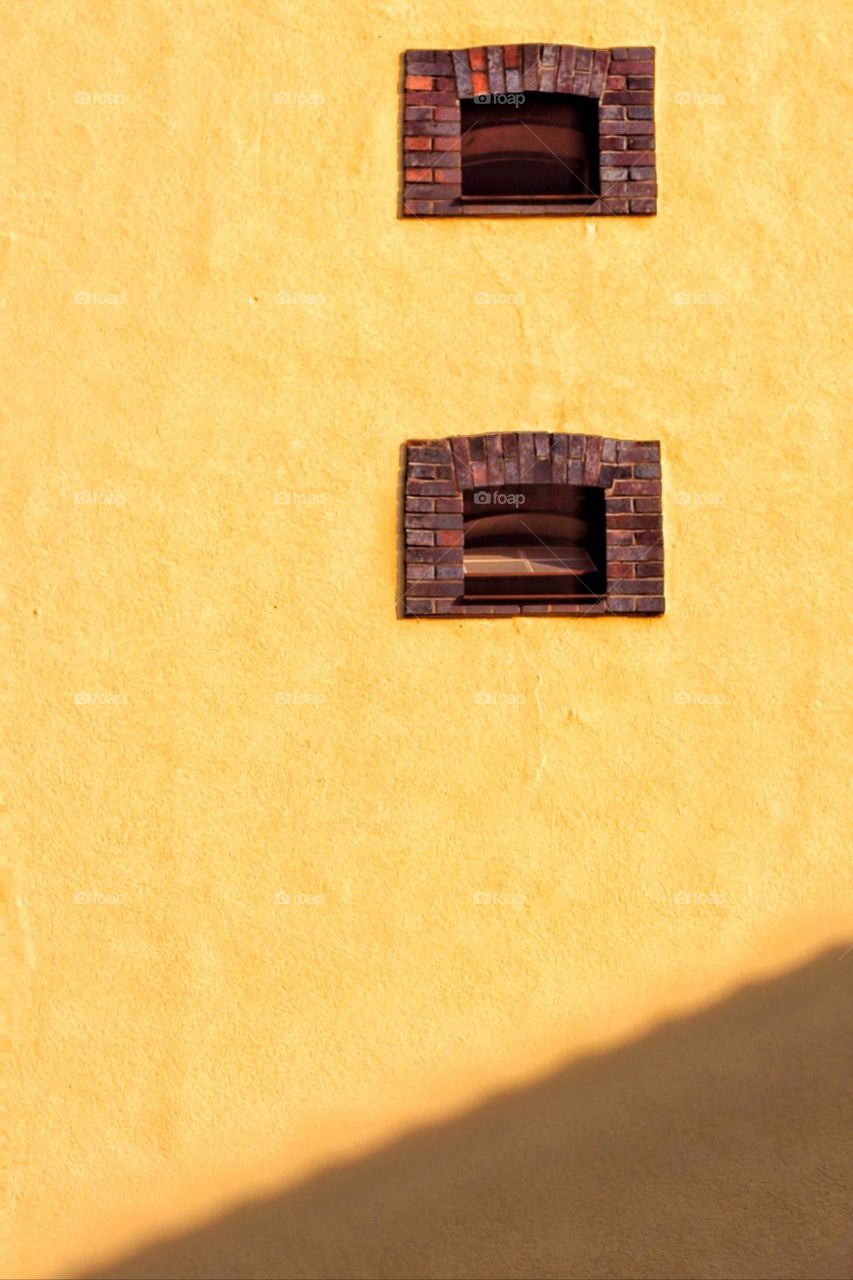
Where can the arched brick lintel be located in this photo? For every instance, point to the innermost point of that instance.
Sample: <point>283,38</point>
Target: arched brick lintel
<point>519,68</point>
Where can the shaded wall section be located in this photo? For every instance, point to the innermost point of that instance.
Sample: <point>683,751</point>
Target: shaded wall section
<point>716,1146</point>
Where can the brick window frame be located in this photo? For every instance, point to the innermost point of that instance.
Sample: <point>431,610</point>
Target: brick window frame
<point>438,472</point>
<point>436,80</point>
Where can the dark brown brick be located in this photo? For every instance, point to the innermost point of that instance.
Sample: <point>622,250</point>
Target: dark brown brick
<point>636,488</point>
<point>495,65</point>
<point>634,66</point>
<point>526,456</point>
<point>592,461</point>
<point>559,459</point>
<point>450,587</point>
<point>511,463</point>
<point>462,461</point>
<point>479,473</point>
<point>631,519</point>
<point>494,460</point>
<point>566,68</point>
<point>627,98</point>
<point>432,522</point>
<point>530,67</point>
<point>428,555</point>
<point>635,587</point>
<point>430,488</point>
<point>462,71</point>
<point>431,129</point>
<point>638,451</point>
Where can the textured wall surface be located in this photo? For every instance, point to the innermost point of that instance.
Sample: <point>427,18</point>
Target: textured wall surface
<point>292,875</point>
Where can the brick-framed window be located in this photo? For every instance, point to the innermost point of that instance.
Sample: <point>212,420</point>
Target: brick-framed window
<point>445,483</point>
<point>438,82</point>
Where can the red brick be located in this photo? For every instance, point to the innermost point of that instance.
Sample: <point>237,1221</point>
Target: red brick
<point>634,67</point>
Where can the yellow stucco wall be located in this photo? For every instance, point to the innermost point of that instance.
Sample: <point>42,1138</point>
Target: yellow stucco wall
<point>520,840</point>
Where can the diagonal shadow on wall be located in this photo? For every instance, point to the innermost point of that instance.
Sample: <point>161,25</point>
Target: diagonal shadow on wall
<point>718,1145</point>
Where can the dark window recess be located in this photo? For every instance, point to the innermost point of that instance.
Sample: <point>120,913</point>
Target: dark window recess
<point>540,147</point>
<point>534,542</point>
